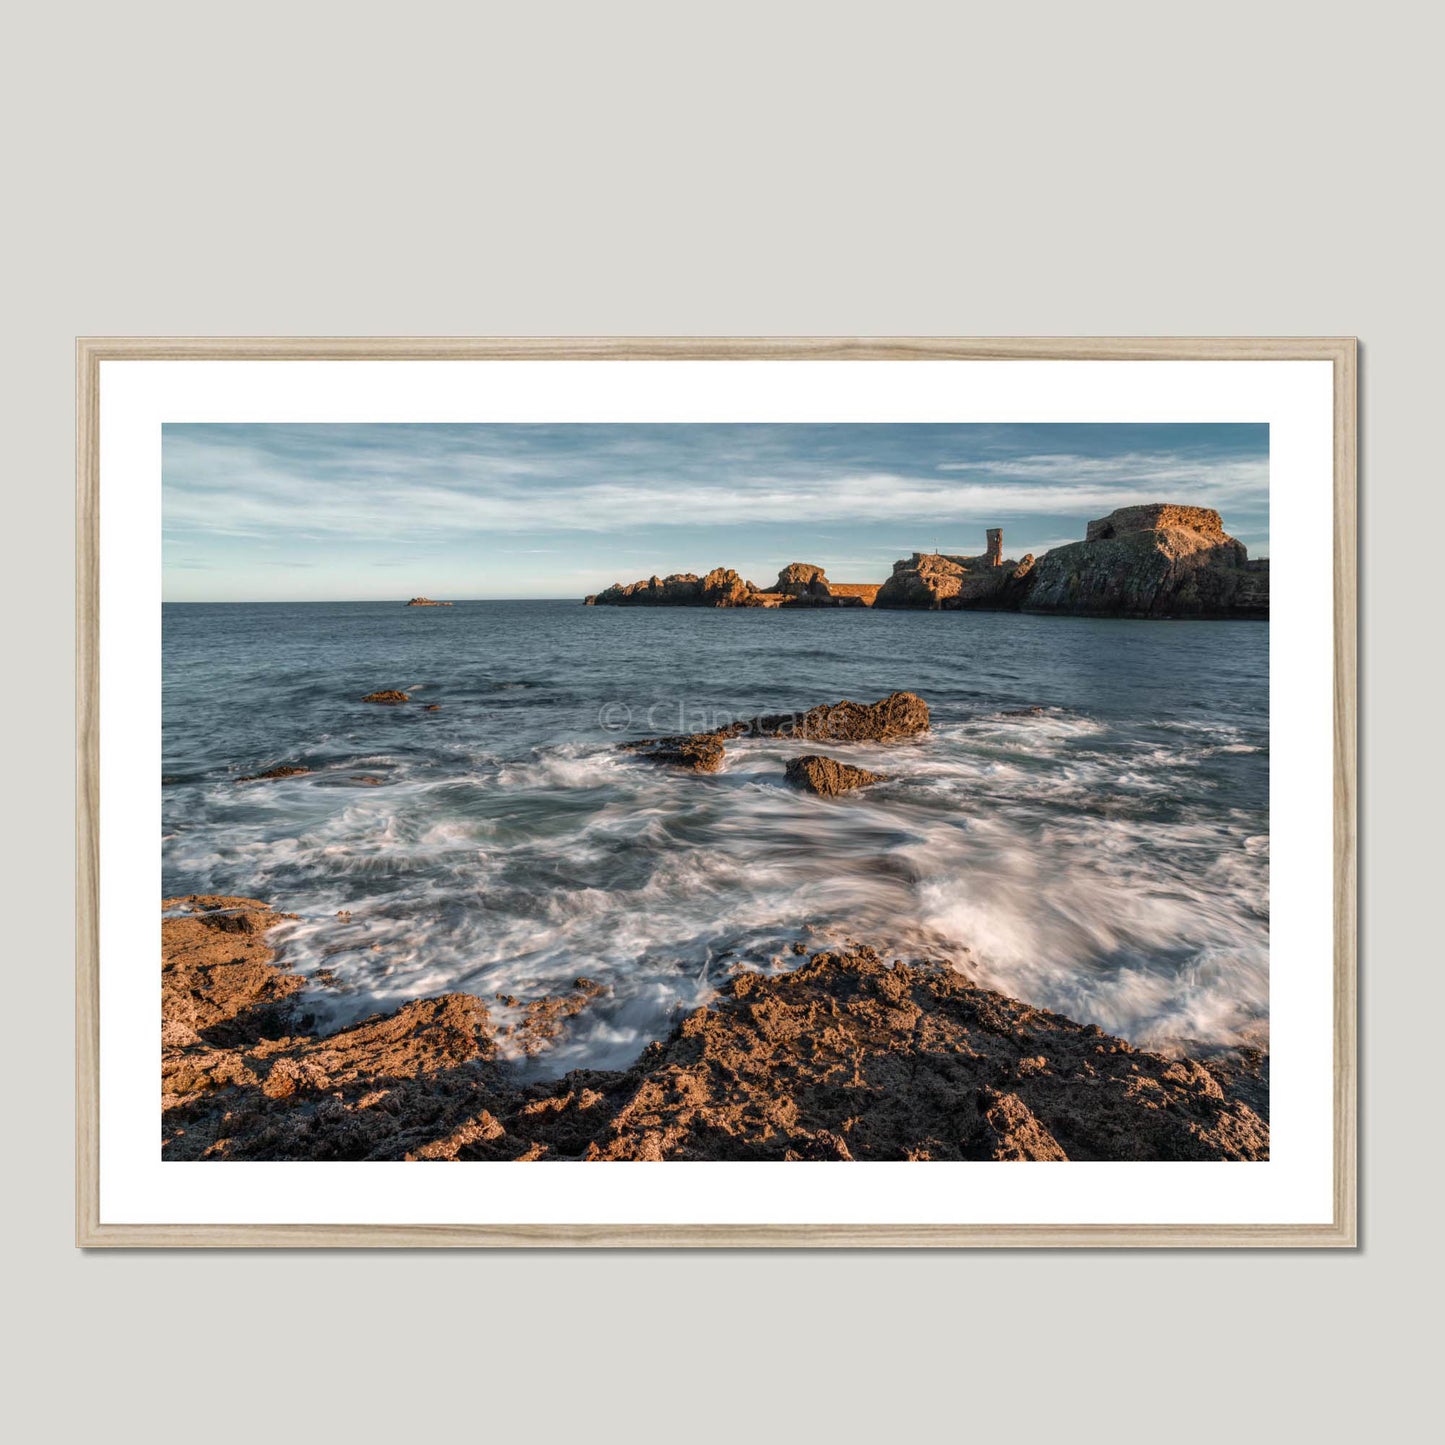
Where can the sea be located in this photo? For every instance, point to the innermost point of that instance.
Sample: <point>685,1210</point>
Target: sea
<point>1084,827</point>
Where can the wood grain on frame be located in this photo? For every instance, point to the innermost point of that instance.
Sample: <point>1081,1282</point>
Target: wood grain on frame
<point>92,1232</point>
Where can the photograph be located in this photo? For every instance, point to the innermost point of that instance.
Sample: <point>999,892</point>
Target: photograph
<point>742,791</point>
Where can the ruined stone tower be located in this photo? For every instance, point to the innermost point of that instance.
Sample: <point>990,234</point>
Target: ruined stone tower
<point>994,555</point>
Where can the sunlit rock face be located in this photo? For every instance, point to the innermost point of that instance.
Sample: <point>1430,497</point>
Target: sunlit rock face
<point>1160,560</point>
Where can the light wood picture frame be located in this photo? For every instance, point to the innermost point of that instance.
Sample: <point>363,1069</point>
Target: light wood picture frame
<point>93,1231</point>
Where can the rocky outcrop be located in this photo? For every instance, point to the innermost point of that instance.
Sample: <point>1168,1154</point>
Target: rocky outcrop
<point>799,584</point>
<point>926,580</point>
<point>390,696</point>
<point>1161,560</point>
<point>802,579</point>
<point>426,602</point>
<point>846,1057</point>
<point>899,715</point>
<point>827,777</point>
<point>217,978</point>
<point>722,587</point>
<point>936,581</point>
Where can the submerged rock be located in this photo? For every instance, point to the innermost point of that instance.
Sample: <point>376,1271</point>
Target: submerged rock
<point>827,776</point>
<point>694,752</point>
<point>284,772</point>
<point>390,696</point>
<point>544,1018</point>
<point>845,1058</point>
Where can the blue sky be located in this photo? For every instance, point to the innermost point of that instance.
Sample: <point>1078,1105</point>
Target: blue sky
<point>273,512</point>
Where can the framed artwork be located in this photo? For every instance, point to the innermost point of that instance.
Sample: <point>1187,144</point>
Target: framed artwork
<point>790,792</point>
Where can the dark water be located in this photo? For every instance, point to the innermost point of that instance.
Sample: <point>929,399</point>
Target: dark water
<point>1108,859</point>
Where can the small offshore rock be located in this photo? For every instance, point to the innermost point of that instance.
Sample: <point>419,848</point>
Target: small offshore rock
<point>287,772</point>
<point>391,695</point>
<point>827,777</point>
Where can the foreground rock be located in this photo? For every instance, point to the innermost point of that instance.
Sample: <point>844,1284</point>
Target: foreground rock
<point>827,777</point>
<point>1161,560</point>
<point>846,1058</point>
<point>271,773</point>
<point>898,716</point>
<point>217,978</point>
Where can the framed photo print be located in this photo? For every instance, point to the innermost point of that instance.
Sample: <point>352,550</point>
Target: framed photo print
<point>785,792</point>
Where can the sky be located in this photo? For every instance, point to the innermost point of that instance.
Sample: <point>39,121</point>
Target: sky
<point>282,512</point>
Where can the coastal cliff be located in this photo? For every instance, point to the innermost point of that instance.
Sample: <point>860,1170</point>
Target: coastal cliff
<point>847,1056</point>
<point>1163,559</point>
<point>1152,561</point>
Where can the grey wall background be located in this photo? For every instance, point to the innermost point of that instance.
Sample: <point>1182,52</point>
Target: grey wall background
<point>751,168</point>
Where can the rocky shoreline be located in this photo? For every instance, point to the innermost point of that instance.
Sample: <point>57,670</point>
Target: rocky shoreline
<point>1164,559</point>
<point>848,1056</point>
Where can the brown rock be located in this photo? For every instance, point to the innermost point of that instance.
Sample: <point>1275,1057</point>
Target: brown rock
<point>694,752</point>
<point>937,582</point>
<point>845,1058</point>
<point>897,716</point>
<point>1161,560</point>
<point>827,777</point>
<point>890,719</point>
<point>544,1018</point>
<point>217,978</point>
<point>681,589</point>
<point>286,772</point>
<point>910,1062</point>
<point>722,587</point>
<point>390,696</point>
<point>802,579</point>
